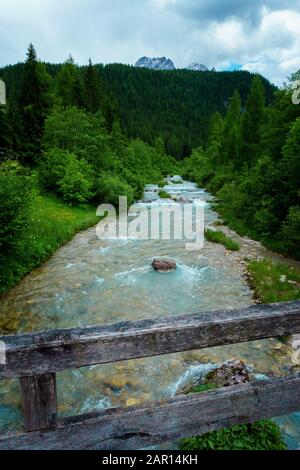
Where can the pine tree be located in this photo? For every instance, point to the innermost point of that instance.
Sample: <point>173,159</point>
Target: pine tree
<point>233,131</point>
<point>290,165</point>
<point>3,132</point>
<point>253,119</point>
<point>92,89</point>
<point>215,141</point>
<point>34,104</point>
<point>69,87</point>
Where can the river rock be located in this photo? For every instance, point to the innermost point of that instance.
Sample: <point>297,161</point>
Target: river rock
<point>230,373</point>
<point>163,265</point>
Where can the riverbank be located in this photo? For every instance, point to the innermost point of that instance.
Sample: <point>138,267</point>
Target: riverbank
<point>271,276</point>
<point>52,224</point>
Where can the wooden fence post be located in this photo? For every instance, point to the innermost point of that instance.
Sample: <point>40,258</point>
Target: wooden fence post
<point>39,402</point>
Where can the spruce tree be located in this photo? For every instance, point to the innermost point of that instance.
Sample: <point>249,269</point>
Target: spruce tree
<point>34,104</point>
<point>69,87</point>
<point>92,89</point>
<point>215,142</point>
<point>233,131</point>
<point>253,119</point>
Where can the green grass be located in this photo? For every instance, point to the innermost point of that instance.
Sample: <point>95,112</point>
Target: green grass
<point>52,223</point>
<point>274,282</point>
<point>262,435</point>
<point>216,236</point>
<point>164,195</point>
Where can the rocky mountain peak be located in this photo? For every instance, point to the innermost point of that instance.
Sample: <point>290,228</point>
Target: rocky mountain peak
<point>156,63</point>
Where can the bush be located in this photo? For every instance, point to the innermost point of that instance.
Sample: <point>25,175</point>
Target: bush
<point>16,193</point>
<point>110,188</point>
<point>63,174</point>
<point>262,435</point>
<point>164,194</point>
<point>290,233</point>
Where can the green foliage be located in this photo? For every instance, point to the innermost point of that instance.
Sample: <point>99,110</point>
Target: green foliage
<point>176,105</point>
<point>262,435</point>
<point>34,103</point>
<point>68,85</point>
<point>65,175</point>
<point>50,224</point>
<point>15,198</point>
<point>164,194</point>
<point>253,168</point>
<point>216,236</point>
<point>109,188</point>
<point>274,282</point>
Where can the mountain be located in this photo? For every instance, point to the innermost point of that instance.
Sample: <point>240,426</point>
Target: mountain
<point>197,67</point>
<point>155,63</point>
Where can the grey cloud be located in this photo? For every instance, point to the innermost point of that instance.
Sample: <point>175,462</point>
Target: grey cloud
<point>221,10</point>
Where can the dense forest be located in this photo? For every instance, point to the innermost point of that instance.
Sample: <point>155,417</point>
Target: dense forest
<point>85,135</point>
<point>175,105</point>
<point>60,135</point>
<point>251,161</point>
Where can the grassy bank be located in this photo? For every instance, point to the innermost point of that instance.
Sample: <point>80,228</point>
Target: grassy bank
<point>216,236</point>
<point>274,282</point>
<point>52,223</point>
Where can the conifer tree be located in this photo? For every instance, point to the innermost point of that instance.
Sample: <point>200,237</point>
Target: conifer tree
<point>92,89</point>
<point>34,104</point>
<point>253,120</point>
<point>233,131</point>
<point>69,87</point>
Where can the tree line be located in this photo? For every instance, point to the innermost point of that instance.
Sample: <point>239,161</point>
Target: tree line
<point>61,134</point>
<point>251,161</point>
<point>174,105</point>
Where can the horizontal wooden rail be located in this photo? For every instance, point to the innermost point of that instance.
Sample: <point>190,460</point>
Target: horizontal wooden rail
<point>150,424</point>
<point>57,350</point>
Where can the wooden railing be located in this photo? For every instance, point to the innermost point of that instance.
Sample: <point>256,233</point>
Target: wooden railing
<point>35,358</point>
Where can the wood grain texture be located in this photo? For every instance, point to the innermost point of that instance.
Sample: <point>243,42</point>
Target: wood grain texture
<point>150,424</point>
<point>58,350</point>
<point>39,402</point>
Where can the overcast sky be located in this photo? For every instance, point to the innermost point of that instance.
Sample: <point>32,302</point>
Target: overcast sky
<point>253,35</point>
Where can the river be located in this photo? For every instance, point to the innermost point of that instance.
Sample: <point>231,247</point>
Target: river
<point>92,281</point>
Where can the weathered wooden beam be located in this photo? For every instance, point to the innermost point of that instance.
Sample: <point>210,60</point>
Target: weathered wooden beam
<point>150,424</point>
<point>57,350</point>
<point>39,402</point>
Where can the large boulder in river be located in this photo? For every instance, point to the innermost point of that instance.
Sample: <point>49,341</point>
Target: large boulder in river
<point>230,373</point>
<point>163,265</point>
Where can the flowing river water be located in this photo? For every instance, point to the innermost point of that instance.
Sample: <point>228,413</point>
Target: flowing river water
<point>100,281</point>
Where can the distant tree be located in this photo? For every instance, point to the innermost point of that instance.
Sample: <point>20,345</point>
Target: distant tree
<point>34,102</point>
<point>69,87</point>
<point>215,141</point>
<point>92,89</point>
<point>290,165</point>
<point>253,119</point>
<point>233,130</point>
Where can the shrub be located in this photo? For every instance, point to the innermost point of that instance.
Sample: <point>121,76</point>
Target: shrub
<point>62,173</point>
<point>164,194</point>
<point>16,193</point>
<point>110,187</point>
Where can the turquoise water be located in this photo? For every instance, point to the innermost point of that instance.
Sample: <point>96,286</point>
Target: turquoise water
<point>91,281</point>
